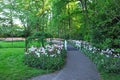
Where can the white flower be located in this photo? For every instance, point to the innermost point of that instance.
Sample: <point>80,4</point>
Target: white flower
<point>53,55</point>
<point>107,56</point>
<point>42,50</point>
<point>104,51</point>
<point>58,46</point>
<point>58,51</point>
<point>50,49</point>
<point>32,49</point>
<point>38,54</point>
<point>118,54</point>
<point>90,49</point>
<point>102,60</point>
<point>101,53</point>
<point>47,46</point>
<point>107,50</point>
<point>93,51</point>
<point>115,55</point>
<point>45,53</point>
<point>112,50</point>
<point>26,53</point>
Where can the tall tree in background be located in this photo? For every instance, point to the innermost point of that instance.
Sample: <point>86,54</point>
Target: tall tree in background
<point>96,21</point>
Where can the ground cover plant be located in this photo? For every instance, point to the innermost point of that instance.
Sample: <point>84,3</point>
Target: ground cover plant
<point>109,76</point>
<point>50,57</point>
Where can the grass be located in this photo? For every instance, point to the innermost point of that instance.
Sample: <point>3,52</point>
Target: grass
<point>15,44</point>
<point>11,63</point>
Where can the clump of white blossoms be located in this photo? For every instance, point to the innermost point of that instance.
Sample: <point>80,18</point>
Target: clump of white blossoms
<point>83,44</point>
<point>49,50</point>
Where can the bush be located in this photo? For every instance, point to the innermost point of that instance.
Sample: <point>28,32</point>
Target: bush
<point>103,62</point>
<point>46,60</point>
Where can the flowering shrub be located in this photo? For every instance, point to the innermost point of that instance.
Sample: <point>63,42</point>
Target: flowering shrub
<point>107,60</point>
<point>50,57</point>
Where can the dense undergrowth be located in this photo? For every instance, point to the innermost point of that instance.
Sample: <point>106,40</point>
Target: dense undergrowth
<point>49,58</point>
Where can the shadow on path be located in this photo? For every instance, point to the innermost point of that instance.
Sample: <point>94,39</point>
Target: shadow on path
<point>78,67</point>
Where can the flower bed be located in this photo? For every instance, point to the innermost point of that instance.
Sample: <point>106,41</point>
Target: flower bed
<point>107,60</point>
<point>50,57</point>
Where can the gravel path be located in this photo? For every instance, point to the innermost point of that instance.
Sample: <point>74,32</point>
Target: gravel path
<point>78,67</point>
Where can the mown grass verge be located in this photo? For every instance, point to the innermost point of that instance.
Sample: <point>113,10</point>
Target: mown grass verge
<point>12,66</point>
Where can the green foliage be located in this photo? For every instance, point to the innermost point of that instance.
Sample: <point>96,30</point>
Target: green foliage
<point>95,21</point>
<point>104,26</point>
<point>39,37</point>
<point>109,76</point>
<point>7,31</point>
<point>45,62</point>
<point>106,64</point>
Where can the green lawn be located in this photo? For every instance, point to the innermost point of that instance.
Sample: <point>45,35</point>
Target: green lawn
<point>16,44</point>
<point>10,44</point>
<point>12,67</point>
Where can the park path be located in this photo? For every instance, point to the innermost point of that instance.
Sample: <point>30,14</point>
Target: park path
<point>78,67</point>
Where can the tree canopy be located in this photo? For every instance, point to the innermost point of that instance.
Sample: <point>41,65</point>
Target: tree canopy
<point>96,21</point>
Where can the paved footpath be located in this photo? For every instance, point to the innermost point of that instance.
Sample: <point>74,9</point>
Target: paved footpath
<point>78,67</point>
